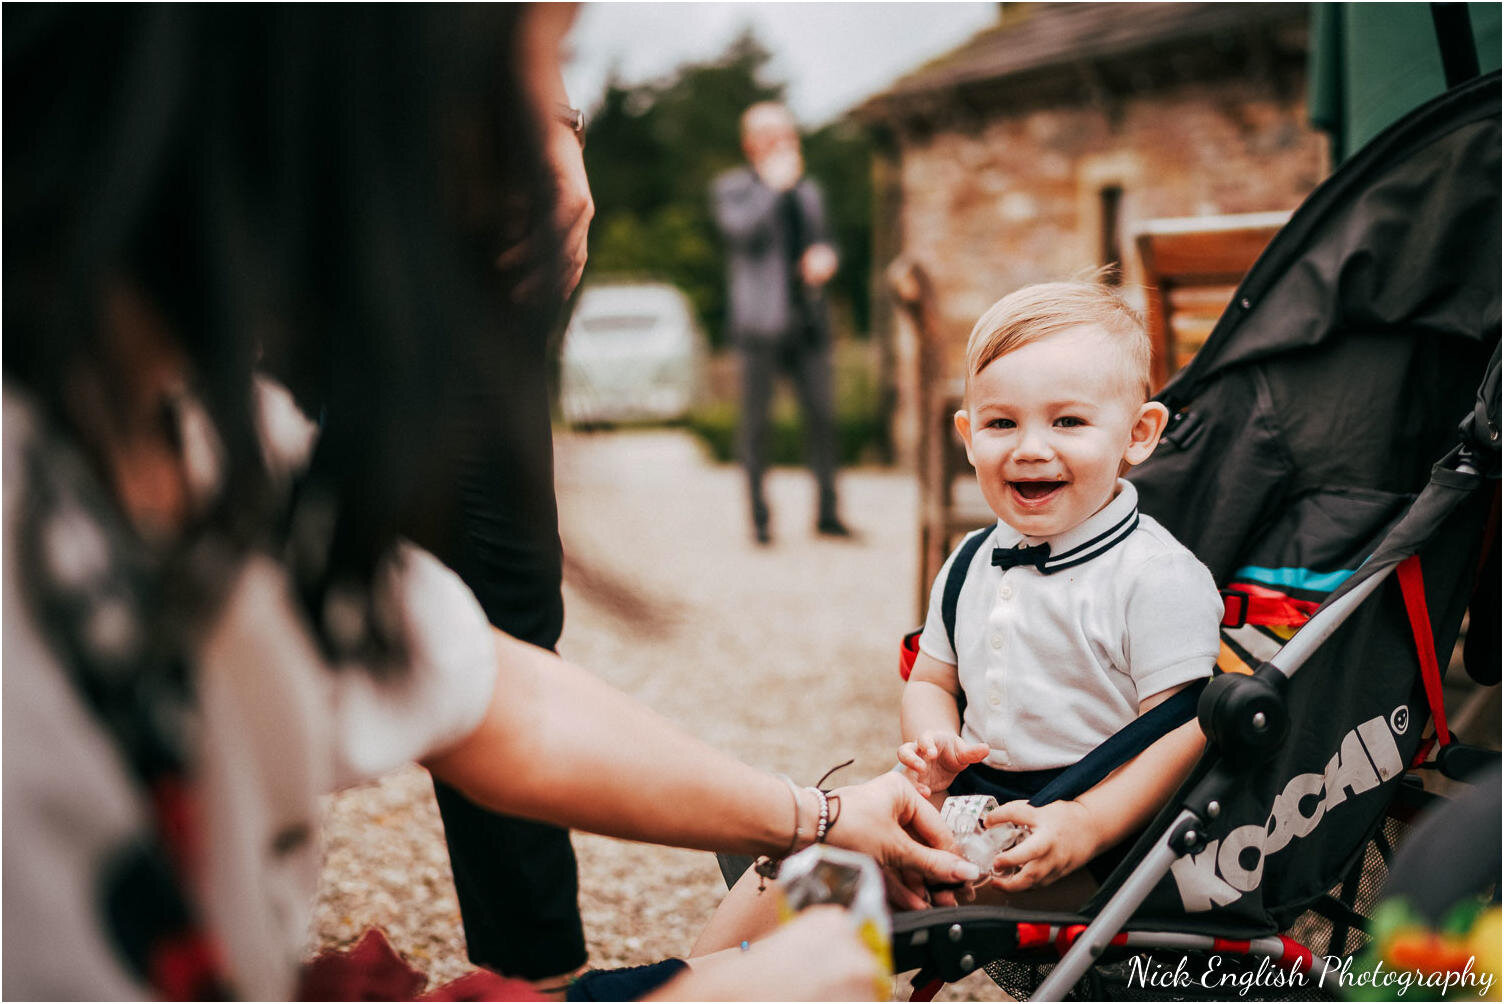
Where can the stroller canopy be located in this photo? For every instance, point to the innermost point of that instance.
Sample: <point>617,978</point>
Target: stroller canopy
<point>1302,433</point>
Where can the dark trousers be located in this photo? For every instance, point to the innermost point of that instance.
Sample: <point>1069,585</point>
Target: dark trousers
<point>517,886</point>
<point>494,520</point>
<point>807,363</point>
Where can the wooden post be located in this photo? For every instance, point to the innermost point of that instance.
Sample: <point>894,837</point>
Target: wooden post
<point>911,287</point>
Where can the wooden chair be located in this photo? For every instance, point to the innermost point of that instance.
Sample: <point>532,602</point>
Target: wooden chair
<point>1192,267</point>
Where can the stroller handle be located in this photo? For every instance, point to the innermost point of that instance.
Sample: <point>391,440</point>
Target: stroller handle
<point>1322,625</point>
<point>1456,476</point>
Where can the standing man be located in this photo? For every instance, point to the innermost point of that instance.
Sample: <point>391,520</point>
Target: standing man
<point>778,257</point>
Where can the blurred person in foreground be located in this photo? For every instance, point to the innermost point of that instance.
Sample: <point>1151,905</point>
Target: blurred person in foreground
<point>771,217</point>
<point>209,617</point>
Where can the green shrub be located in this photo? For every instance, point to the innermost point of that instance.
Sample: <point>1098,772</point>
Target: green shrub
<point>861,425</point>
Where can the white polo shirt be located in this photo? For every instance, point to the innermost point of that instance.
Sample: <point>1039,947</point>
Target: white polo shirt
<point>1052,663</point>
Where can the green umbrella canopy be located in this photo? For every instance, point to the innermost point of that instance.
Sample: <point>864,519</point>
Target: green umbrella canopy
<point>1373,62</point>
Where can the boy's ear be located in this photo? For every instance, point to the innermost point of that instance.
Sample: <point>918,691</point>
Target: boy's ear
<point>1147,428</point>
<point>963,426</point>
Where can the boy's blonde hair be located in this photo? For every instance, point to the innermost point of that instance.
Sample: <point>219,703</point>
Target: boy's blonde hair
<point>1049,308</point>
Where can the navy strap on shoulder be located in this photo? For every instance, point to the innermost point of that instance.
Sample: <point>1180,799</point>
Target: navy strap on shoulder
<point>957,578</point>
<point>1123,745</point>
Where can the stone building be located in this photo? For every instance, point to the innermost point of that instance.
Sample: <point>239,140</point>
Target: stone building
<point>1034,150</point>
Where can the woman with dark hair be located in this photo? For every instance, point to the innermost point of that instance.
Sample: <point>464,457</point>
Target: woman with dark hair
<point>200,639</point>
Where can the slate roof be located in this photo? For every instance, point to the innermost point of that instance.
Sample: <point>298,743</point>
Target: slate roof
<point>1033,37</point>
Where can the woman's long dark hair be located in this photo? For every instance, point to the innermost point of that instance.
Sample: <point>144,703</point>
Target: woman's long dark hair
<point>324,188</point>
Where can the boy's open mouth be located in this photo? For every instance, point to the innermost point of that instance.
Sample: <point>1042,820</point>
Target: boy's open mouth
<point>1036,491</point>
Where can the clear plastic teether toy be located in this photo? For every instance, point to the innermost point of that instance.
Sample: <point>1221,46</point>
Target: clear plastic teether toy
<point>978,843</point>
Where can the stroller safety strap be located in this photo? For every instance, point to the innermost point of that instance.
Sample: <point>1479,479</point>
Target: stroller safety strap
<point>1413,587</point>
<point>909,647</point>
<point>1123,745</point>
<point>957,578</point>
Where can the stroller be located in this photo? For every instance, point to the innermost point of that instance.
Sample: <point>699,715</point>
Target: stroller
<point>1329,458</point>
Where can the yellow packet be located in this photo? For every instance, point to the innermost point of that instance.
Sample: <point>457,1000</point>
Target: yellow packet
<point>823,874</point>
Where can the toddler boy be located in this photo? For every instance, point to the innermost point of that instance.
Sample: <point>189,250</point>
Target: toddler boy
<point>1078,613</point>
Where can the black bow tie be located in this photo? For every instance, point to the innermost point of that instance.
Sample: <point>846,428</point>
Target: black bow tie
<point>1011,557</point>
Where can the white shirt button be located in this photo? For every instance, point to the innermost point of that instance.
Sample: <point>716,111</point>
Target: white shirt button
<point>997,641</point>
<point>995,699</point>
<point>1005,591</point>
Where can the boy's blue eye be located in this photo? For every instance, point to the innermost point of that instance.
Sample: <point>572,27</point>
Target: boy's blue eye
<point>1069,422</point>
<point>1000,423</point>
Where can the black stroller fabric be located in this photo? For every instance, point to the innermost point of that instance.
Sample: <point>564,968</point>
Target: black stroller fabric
<point>1319,404</point>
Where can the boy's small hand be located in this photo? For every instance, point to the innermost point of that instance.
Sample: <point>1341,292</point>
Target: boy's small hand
<point>933,760</point>
<point>1063,838</point>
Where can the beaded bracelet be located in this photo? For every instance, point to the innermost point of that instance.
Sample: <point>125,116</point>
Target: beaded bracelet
<point>829,816</point>
<point>823,826</point>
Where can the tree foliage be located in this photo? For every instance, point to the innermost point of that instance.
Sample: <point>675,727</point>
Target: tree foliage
<point>651,152</point>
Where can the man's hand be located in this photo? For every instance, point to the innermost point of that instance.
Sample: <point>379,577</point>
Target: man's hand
<point>1064,838</point>
<point>932,761</point>
<point>781,167</point>
<point>818,264</point>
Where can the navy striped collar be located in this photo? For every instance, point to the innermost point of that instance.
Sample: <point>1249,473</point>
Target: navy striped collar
<point>1110,526</point>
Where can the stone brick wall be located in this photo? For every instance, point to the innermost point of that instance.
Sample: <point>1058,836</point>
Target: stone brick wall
<point>1017,198</point>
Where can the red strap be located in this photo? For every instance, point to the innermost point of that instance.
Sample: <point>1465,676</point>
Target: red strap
<point>1413,586</point>
<point>1234,608</point>
<point>908,651</point>
<point>1421,753</point>
<point>1247,603</point>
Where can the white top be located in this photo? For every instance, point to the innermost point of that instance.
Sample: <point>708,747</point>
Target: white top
<point>1053,664</point>
<point>279,729</point>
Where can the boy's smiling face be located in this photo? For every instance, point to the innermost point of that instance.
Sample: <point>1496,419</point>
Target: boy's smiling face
<point>1048,426</point>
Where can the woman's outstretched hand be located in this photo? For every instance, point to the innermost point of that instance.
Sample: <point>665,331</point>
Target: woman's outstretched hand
<point>886,818</point>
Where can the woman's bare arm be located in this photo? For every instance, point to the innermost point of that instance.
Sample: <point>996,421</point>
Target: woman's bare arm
<point>560,745</point>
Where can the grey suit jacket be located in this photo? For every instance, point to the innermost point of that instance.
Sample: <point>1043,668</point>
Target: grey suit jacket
<point>757,267</point>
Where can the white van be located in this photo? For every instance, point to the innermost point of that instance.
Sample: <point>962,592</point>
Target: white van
<point>632,353</point>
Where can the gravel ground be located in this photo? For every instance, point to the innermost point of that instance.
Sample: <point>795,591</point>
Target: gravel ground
<point>784,656</point>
